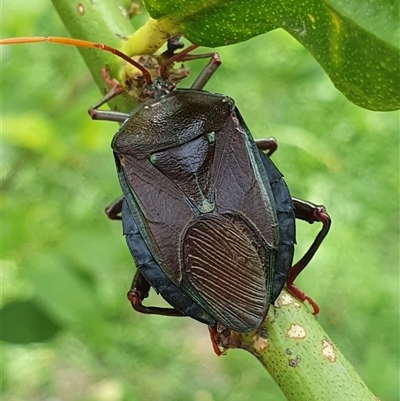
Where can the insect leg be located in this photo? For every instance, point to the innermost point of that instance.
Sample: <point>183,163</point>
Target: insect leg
<point>207,71</point>
<point>113,211</point>
<point>140,290</point>
<point>269,144</point>
<point>310,213</point>
<point>108,115</point>
<point>205,74</point>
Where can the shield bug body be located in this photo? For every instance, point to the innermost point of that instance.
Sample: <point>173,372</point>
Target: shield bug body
<point>207,217</point>
<point>195,185</point>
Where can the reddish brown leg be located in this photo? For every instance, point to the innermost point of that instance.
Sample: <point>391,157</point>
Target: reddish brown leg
<point>207,71</point>
<point>184,55</point>
<point>106,115</point>
<point>113,211</point>
<point>213,333</point>
<point>111,83</point>
<point>268,144</point>
<point>173,45</point>
<point>140,290</point>
<point>310,213</point>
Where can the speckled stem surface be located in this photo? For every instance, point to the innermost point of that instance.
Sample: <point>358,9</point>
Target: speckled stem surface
<point>300,356</point>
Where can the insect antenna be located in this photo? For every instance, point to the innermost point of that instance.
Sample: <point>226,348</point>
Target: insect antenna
<point>78,43</point>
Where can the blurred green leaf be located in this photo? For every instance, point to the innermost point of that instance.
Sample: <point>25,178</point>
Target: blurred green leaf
<point>65,295</point>
<point>364,67</point>
<point>23,322</point>
<point>18,131</point>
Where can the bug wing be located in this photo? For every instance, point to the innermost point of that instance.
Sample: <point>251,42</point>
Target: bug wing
<point>224,270</point>
<point>160,210</point>
<point>229,256</point>
<point>241,181</point>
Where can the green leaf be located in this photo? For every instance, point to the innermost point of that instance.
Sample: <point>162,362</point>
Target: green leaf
<point>363,66</point>
<point>379,17</point>
<point>23,322</point>
<point>66,296</point>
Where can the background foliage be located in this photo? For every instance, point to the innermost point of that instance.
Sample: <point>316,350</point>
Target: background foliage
<point>360,56</point>
<point>65,267</point>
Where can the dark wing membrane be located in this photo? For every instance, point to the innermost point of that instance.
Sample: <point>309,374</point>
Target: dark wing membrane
<point>229,269</point>
<point>224,270</point>
<point>241,182</point>
<point>154,275</point>
<point>160,210</point>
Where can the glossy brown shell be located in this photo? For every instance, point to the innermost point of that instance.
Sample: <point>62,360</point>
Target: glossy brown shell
<point>201,201</point>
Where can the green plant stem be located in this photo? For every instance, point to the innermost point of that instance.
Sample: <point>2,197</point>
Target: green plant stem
<point>100,22</point>
<point>299,355</point>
